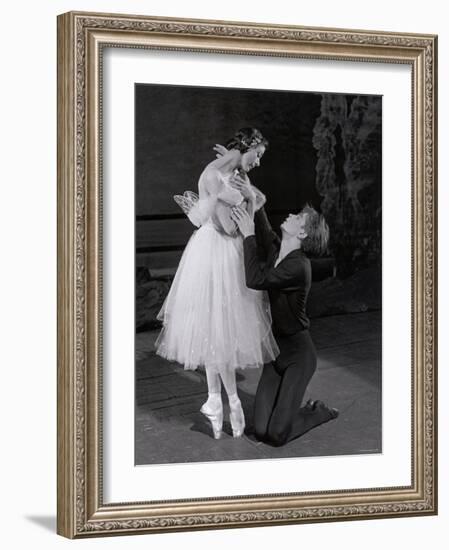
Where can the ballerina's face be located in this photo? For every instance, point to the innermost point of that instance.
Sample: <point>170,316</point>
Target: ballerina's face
<point>295,225</point>
<point>252,157</point>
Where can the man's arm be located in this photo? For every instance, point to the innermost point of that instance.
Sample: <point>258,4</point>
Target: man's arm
<point>288,274</point>
<point>265,234</point>
<point>266,237</point>
<point>261,277</point>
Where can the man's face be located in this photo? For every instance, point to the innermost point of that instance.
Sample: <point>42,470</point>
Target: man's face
<point>294,225</point>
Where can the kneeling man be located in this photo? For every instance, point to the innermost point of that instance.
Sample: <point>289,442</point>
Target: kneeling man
<point>286,274</point>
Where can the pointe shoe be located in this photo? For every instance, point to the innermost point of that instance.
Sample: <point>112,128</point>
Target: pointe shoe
<point>215,417</point>
<point>237,419</point>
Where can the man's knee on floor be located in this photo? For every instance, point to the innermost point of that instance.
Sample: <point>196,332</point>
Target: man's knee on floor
<point>260,429</point>
<point>277,436</point>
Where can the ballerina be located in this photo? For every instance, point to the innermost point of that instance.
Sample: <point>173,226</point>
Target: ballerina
<point>210,317</point>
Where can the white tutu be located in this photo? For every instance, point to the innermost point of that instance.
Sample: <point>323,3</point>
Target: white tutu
<point>210,317</point>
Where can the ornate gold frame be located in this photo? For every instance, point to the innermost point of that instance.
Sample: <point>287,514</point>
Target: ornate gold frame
<point>81,37</point>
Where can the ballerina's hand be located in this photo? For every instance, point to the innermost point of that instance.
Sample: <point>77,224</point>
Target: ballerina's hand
<point>237,182</point>
<point>220,150</point>
<point>244,221</point>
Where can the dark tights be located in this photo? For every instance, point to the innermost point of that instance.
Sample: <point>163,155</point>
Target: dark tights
<point>278,415</point>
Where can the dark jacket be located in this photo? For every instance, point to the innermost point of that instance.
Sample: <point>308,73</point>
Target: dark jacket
<point>288,283</point>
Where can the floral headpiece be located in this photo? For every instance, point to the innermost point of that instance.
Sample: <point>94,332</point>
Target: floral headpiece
<point>254,142</point>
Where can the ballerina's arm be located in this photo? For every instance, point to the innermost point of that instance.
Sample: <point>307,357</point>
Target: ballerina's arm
<point>260,198</point>
<point>223,196</point>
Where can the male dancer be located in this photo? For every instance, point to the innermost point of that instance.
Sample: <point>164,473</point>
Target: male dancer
<point>286,275</point>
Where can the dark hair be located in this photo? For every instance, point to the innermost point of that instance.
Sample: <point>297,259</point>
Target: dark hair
<point>246,138</point>
<point>317,232</point>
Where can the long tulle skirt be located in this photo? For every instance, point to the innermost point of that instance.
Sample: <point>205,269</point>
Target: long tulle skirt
<point>210,317</point>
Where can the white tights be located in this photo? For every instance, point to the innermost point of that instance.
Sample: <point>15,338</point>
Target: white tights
<point>214,381</point>
<point>214,404</point>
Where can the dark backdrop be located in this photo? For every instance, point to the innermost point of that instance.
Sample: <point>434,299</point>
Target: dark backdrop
<point>324,149</point>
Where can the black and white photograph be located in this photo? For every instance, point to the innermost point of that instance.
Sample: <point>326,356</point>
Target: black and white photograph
<point>258,262</point>
<point>223,241</point>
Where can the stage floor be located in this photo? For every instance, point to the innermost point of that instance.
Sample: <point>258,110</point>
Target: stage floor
<point>170,429</point>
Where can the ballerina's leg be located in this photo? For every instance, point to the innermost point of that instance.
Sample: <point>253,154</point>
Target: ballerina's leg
<point>213,388</point>
<point>213,407</point>
<point>236,414</point>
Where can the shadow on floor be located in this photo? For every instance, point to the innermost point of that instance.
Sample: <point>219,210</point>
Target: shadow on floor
<point>170,429</point>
